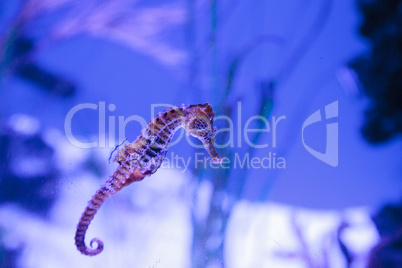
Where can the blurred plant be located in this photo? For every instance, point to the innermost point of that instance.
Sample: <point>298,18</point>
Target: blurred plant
<point>227,186</point>
<point>348,255</point>
<point>17,54</point>
<point>388,252</point>
<point>380,69</point>
<point>380,72</point>
<point>8,258</point>
<point>303,251</point>
<point>28,175</point>
<point>141,29</point>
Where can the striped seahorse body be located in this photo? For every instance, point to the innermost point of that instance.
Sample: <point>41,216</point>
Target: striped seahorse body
<point>144,156</point>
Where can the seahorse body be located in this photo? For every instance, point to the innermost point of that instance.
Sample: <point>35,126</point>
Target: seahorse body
<point>144,156</point>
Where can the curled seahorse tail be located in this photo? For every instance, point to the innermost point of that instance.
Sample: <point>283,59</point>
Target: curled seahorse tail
<point>121,177</point>
<point>86,218</point>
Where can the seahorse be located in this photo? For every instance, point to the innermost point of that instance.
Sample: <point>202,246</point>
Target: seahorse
<point>144,156</point>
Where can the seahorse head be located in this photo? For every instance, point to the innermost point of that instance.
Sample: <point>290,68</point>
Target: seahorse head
<point>199,123</point>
